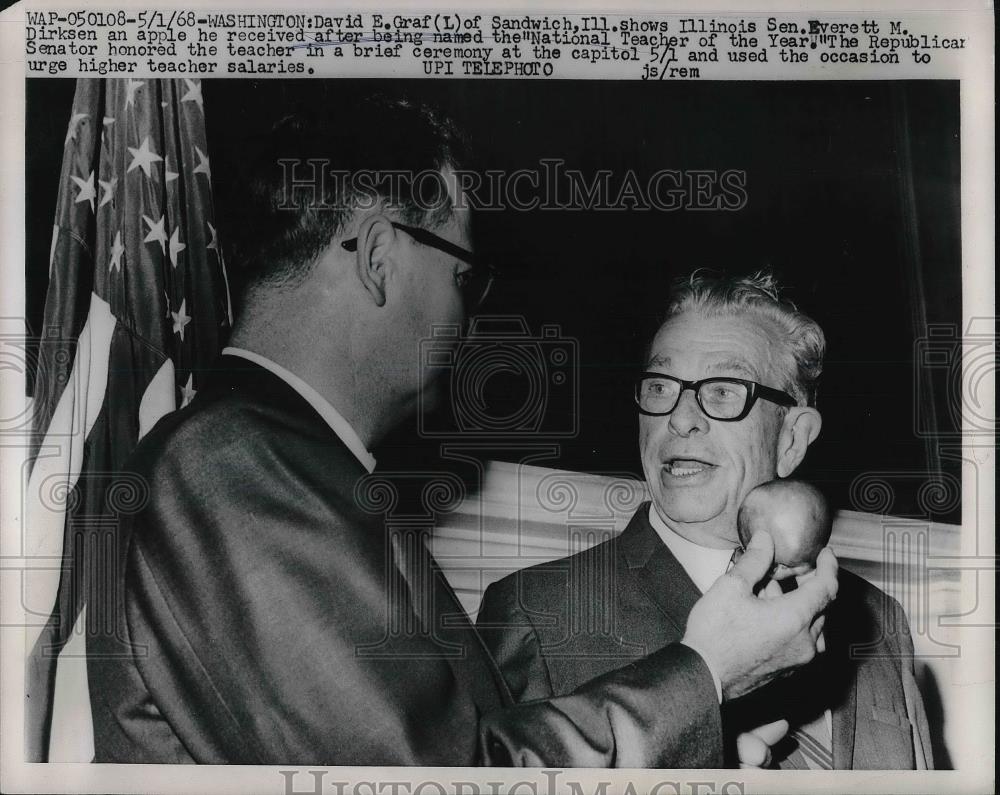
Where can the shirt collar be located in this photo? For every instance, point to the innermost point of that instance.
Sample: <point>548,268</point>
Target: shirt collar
<point>330,415</point>
<point>704,565</point>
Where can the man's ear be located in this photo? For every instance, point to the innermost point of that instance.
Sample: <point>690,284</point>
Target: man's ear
<point>376,241</point>
<point>798,430</point>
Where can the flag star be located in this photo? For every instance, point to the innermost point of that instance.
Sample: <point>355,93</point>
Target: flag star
<point>109,191</point>
<point>117,249</point>
<point>176,246</point>
<point>87,190</point>
<point>203,166</point>
<point>143,157</point>
<point>193,93</point>
<point>74,126</point>
<point>133,85</point>
<point>157,232</point>
<point>181,319</point>
<point>168,175</point>
<point>188,391</point>
<point>213,244</point>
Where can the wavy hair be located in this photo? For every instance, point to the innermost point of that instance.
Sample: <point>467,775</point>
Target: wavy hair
<point>759,293</point>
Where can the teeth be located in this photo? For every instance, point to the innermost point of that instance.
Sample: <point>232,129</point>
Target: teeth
<point>680,472</point>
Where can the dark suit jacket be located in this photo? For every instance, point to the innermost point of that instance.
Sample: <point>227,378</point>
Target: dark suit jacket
<point>556,625</point>
<point>265,615</point>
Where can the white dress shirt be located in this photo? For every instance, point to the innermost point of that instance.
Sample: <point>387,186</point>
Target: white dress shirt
<point>704,565</point>
<point>341,427</point>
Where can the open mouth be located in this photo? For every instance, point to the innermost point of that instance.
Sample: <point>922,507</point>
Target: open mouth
<point>686,467</point>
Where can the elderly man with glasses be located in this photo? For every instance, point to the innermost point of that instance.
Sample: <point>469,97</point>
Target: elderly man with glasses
<point>265,614</point>
<point>727,401</point>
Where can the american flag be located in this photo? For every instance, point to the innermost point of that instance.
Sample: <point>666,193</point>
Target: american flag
<point>137,305</point>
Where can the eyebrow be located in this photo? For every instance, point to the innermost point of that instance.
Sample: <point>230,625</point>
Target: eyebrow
<point>738,365</point>
<point>731,365</point>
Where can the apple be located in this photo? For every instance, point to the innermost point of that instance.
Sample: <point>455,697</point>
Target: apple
<point>795,513</point>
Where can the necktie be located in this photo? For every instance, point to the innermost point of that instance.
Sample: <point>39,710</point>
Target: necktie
<point>814,743</point>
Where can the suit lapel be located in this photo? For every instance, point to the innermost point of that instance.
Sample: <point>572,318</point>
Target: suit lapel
<point>844,723</point>
<point>447,624</point>
<point>478,670</point>
<point>844,711</point>
<point>658,573</point>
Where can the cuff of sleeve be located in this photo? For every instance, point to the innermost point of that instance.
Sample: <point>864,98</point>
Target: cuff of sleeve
<point>715,676</point>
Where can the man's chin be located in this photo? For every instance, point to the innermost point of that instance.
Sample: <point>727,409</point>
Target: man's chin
<point>687,508</point>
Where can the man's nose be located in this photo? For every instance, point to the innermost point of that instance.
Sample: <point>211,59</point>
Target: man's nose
<point>687,417</point>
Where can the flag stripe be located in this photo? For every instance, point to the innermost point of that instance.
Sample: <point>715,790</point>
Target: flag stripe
<point>159,398</point>
<point>55,474</point>
<point>72,736</point>
<point>50,490</point>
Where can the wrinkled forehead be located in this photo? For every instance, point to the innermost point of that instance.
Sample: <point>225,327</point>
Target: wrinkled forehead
<point>704,343</point>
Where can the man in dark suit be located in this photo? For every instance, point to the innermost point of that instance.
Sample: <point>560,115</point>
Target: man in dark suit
<point>265,613</point>
<point>745,416</point>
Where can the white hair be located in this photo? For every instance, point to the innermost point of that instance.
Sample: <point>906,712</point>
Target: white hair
<point>759,293</point>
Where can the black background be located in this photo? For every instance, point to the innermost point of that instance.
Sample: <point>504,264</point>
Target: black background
<point>853,201</point>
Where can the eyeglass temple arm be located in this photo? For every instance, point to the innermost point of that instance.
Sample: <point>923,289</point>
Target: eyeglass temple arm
<point>774,395</point>
<point>429,239</point>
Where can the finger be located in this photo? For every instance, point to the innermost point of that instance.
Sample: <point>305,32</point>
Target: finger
<point>770,733</point>
<point>826,570</point>
<point>816,630</point>
<point>805,576</point>
<point>756,562</point>
<point>752,751</point>
<point>816,592</point>
<point>772,589</point>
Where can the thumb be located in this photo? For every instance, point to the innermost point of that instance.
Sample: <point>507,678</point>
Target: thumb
<point>770,733</point>
<point>754,747</point>
<point>756,562</point>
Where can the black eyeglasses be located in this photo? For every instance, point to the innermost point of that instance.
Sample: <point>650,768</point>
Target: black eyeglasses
<point>726,399</point>
<point>474,284</point>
